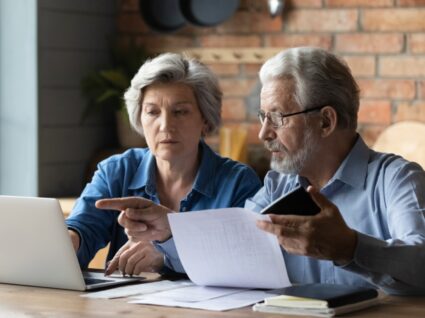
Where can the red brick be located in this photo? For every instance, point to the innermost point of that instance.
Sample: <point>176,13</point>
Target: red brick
<point>237,87</point>
<point>261,5</point>
<point>416,43</point>
<point>394,89</point>
<point>410,3</point>
<point>233,109</point>
<point>230,41</point>
<point>322,20</point>
<point>421,89</point>
<point>359,3</point>
<point>400,66</point>
<point>250,22</point>
<point>222,69</point>
<point>293,40</point>
<point>361,65</point>
<point>393,19</point>
<point>375,112</point>
<point>410,111</point>
<point>369,43</point>
<point>370,133</point>
<point>304,3</point>
<point>155,43</point>
<point>252,70</point>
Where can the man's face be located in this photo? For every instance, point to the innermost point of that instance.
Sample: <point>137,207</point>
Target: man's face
<point>291,141</point>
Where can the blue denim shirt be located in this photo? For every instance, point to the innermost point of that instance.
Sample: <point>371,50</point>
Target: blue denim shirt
<point>382,197</point>
<point>220,182</point>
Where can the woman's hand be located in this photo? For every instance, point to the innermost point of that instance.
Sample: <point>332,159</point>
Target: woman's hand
<point>142,219</point>
<point>134,258</point>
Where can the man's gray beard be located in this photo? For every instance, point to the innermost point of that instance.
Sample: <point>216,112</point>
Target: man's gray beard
<point>293,164</point>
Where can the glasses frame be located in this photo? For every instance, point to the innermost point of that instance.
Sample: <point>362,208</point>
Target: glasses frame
<point>262,115</point>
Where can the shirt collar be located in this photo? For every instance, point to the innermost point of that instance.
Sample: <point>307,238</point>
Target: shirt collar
<point>203,181</point>
<point>145,173</point>
<point>353,170</point>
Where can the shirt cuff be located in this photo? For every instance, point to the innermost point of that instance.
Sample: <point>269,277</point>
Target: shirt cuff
<point>73,229</point>
<point>171,257</point>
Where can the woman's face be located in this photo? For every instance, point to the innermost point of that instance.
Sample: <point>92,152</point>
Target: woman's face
<point>172,122</point>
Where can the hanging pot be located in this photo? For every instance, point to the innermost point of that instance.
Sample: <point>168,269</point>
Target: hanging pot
<point>208,13</point>
<point>162,15</point>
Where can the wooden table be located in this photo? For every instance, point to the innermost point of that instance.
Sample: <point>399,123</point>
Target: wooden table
<point>23,301</point>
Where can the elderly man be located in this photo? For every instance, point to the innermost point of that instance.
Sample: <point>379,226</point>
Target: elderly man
<point>371,227</point>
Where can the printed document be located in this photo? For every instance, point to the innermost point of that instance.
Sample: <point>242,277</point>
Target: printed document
<point>240,299</point>
<point>224,247</point>
<point>138,289</point>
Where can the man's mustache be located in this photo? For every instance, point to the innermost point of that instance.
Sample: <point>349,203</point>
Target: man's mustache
<point>274,146</point>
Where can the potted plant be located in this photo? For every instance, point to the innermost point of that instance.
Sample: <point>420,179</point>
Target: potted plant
<point>105,88</point>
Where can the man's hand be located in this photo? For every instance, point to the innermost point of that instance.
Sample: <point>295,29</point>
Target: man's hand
<point>322,236</point>
<point>134,258</point>
<point>142,219</point>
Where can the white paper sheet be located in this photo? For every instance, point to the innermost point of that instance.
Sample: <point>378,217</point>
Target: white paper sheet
<point>232,301</point>
<point>224,247</point>
<point>194,293</point>
<point>139,289</point>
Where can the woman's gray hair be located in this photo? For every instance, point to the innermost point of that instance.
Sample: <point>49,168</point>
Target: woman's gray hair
<point>320,78</point>
<point>175,68</point>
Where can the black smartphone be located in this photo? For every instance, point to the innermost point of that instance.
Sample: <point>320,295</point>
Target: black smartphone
<point>296,202</point>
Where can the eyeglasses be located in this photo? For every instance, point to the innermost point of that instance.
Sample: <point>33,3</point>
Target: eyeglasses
<point>276,119</point>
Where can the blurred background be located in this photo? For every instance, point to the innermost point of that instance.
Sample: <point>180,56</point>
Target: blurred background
<point>63,64</point>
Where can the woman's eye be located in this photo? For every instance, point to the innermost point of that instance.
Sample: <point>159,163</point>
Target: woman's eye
<point>152,112</point>
<point>180,112</point>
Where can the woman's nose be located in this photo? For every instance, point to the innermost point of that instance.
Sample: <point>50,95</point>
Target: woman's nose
<point>166,121</point>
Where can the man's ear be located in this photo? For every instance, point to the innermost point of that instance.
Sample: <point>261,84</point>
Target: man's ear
<point>329,120</point>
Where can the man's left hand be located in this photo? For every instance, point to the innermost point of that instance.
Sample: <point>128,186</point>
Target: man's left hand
<point>323,236</point>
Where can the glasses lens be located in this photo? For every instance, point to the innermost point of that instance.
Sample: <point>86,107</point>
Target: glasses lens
<point>262,116</point>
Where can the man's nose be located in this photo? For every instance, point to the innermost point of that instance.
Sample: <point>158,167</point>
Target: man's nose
<point>266,131</point>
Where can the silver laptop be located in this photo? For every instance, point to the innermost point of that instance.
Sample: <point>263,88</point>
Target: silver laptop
<point>36,250</point>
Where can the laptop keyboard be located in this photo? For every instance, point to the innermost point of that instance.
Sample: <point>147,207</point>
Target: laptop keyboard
<point>91,281</point>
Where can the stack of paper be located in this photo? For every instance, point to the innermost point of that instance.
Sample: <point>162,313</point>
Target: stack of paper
<point>321,300</point>
<point>199,297</point>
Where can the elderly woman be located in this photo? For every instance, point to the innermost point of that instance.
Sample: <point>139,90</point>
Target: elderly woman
<point>174,102</point>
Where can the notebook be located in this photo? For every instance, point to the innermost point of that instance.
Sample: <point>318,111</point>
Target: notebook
<point>36,250</point>
<point>321,300</point>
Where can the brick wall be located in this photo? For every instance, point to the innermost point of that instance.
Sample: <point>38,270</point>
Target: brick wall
<point>383,41</point>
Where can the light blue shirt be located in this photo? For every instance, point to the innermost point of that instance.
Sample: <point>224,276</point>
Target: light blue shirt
<point>220,182</point>
<point>382,197</point>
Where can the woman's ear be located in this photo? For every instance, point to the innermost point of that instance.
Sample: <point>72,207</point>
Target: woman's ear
<point>205,128</point>
<point>329,120</point>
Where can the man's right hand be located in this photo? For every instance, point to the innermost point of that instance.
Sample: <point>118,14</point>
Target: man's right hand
<point>142,219</point>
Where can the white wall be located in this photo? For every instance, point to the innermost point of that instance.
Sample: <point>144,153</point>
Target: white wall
<point>18,97</point>
<point>46,47</point>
